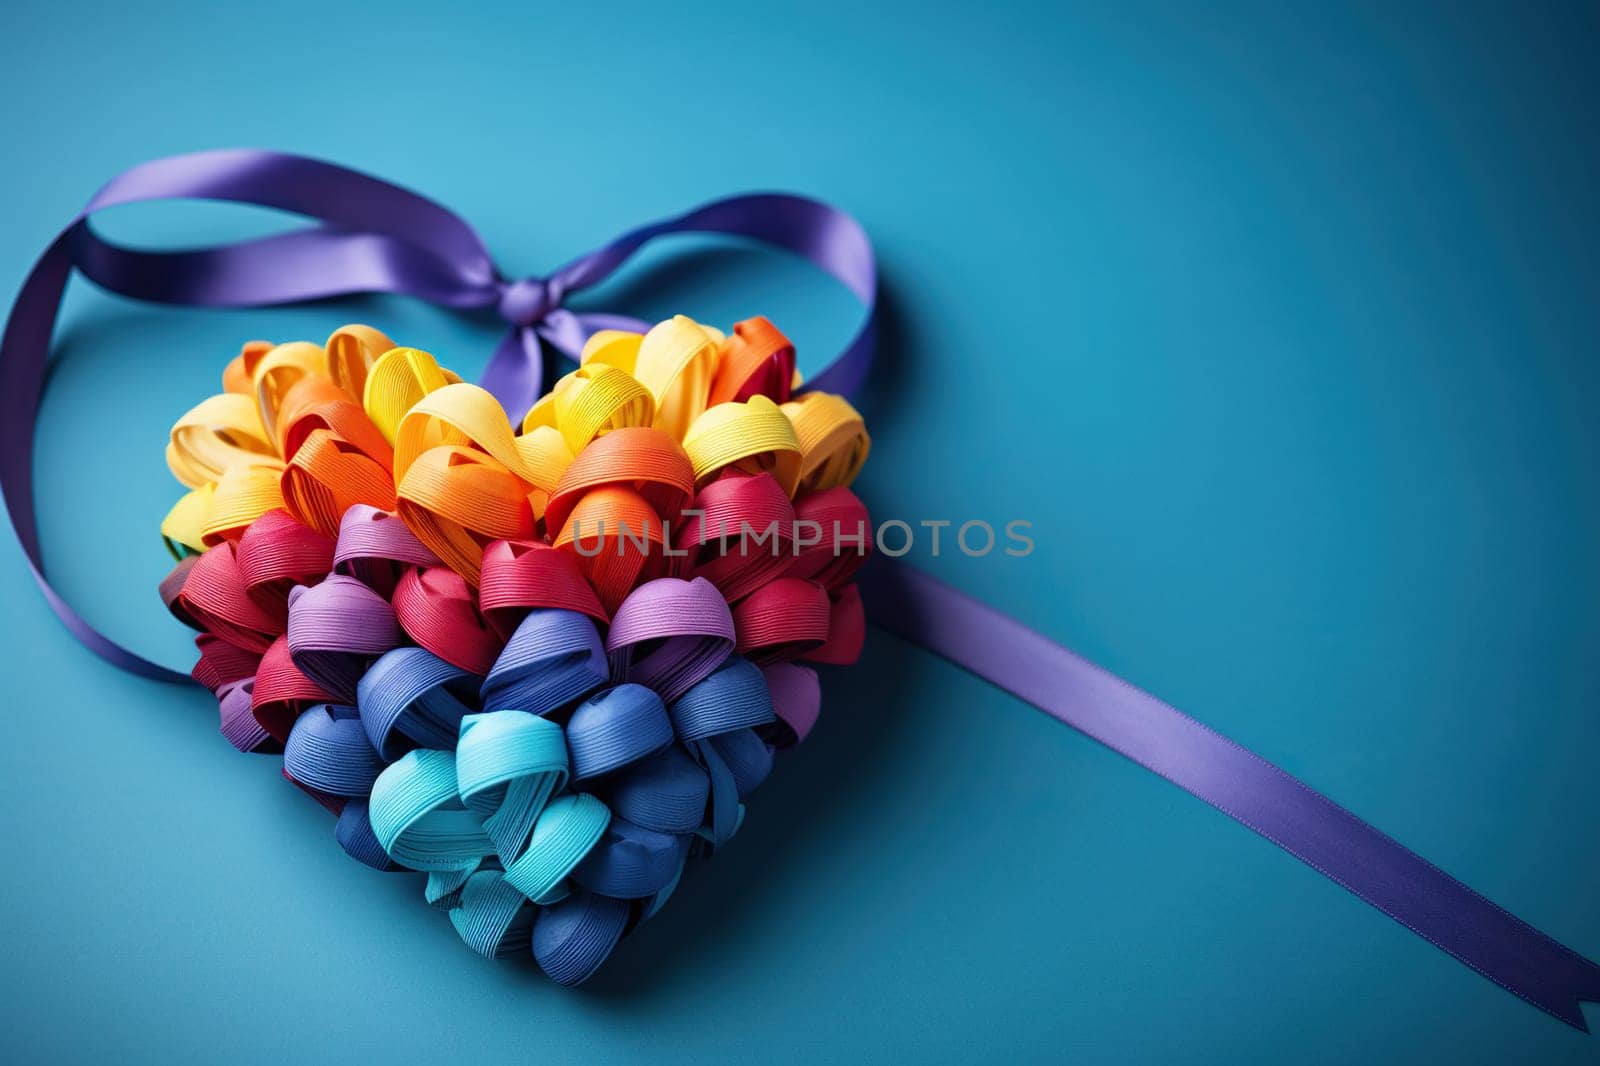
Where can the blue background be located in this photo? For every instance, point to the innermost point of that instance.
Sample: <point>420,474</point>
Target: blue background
<point>1278,325</point>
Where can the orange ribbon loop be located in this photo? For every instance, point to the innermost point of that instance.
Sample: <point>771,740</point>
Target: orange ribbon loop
<point>645,460</point>
<point>619,541</point>
<point>757,360</point>
<point>457,499</point>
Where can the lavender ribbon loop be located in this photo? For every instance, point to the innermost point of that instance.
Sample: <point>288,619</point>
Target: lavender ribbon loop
<point>336,630</point>
<point>369,236</point>
<point>689,624</point>
<point>829,238</point>
<point>378,237</point>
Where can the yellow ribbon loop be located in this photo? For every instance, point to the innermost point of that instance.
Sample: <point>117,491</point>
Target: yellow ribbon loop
<point>465,479</point>
<point>592,400</point>
<point>545,458</point>
<point>613,347</point>
<point>394,384</point>
<point>215,435</point>
<point>243,494</point>
<point>752,437</point>
<point>457,499</point>
<point>180,530</point>
<point>456,414</point>
<point>279,371</point>
<point>240,374</point>
<point>352,351</point>
<point>833,440</point>
<point>676,361</point>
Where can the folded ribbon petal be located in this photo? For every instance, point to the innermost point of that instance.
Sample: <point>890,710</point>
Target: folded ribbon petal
<point>630,862</point>
<point>734,697</point>
<point>519,575</point>
<point>740,532</point>
<point>686,627</point>
<point>552,660</point>
<point>275,554</point>
<point>615,727</point>
<point>666,792</point>
<point>336,630</point>
<point>572,938</point>
<point>439,611</point>
<point>757,360</point>
<point>376,548</point>
<point>282,691</point>
<point>782,619</point>
<point>327,750</point>
<point>216,596</point>
<point>411,696</point>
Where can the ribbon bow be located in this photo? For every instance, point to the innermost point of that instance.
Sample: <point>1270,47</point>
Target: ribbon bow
<point>534,307</point>
<point>370,236</point>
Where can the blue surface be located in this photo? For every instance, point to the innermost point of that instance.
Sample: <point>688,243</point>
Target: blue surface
<point>1292,319</point>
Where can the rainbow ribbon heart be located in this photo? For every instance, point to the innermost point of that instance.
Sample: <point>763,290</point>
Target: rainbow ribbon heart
<point>373,237</point>
<point>478,648</point>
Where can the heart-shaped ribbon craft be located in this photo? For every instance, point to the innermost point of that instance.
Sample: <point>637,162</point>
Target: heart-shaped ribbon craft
<point>279,438</point>
<point>544,666</point>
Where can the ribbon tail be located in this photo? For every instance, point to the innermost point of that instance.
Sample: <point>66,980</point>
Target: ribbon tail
<point>1235,781</point>
<point>530,356</point>
<point>515,374</point>
<point>370,236</point>
<point>23,357</point>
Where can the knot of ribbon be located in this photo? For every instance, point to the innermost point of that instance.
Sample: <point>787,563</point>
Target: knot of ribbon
<point>526,302</point>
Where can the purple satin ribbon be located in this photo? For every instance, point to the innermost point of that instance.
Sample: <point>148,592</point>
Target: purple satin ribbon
<point>373,237</point>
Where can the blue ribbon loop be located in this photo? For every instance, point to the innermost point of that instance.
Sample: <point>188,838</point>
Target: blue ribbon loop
<point>614,728</point>
<point>667,792</point>
<point>734,697</point>
<point>631,862</point>
<point>329,751</point>
<point>553,658</point>
<point>410,694</point>
<point>572,938</point>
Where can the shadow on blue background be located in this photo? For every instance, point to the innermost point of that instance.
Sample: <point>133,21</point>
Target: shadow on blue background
<point>1279,325</point>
